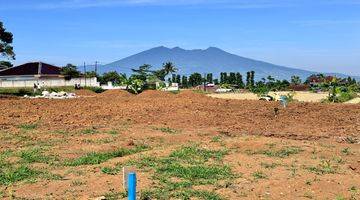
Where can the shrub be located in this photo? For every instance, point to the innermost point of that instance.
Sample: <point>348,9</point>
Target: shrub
<point>95,89</point>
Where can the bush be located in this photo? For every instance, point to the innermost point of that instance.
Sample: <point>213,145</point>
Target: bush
<point>95,89</point>
<point>16,91</point>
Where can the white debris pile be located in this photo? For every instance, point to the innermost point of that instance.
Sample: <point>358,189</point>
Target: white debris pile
<point>53,95</point>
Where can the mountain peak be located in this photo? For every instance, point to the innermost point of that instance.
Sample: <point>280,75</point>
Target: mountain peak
<point>212,59</point>
<point>178,48</point>
<point>214,49</point>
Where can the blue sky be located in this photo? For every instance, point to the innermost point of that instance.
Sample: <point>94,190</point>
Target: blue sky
<point>320,35</point>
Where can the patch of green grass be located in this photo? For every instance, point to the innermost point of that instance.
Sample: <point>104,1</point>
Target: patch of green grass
<point>177,174</point>
<point>282,153</point>
<point>28,127</point>
<point>340,197</point>
<point>259,175</point>
<point>216,139</point>
<point>113,132</point>
<point>111,170</point>
<point>167,130</point>
<point>201,173</point>
<point>89,131</point>
<point>113,195</point>
<point>35,155</point>
<point>325,167</point>
<point>13,174</point>
<point>94,158</point>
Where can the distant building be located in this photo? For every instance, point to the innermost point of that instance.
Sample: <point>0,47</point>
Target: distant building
<point>28,74</point>
<point>315,80</point>
<point>31,71</point>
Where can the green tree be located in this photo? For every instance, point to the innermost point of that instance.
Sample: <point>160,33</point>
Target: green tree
<point>216,81</point>
<point>295,80</point>
<point>195,79</point>
<point>239,80</point>
<point>223,78</point>
<point>6,39</point>
<point>5,65</point>
<point>91,74</point>
<point>232,78</point>
<point>209,78</point>
<point>70,71</point>
<point>252,78</point>
<point>6,48</point>
<point>142,72</point>
<point>113,77</point>
<point>178,78</point>
<point>173,78</point>
<point>184,82</point>
<point>169,68</point>
<point>248,77</point>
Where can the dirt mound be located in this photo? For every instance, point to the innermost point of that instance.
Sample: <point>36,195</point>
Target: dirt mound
<point>155,94</point>
<point>84,93</point>
<point>116,93</point>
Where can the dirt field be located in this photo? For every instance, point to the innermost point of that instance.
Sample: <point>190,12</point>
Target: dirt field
<point>299,96</point>
<point>184,146</point>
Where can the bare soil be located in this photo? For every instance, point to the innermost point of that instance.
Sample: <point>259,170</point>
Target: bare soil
<point>326,167</point>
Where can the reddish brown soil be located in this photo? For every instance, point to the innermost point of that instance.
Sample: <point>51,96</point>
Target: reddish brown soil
<point>84,93</point>
<point>241,125</point>
<point>298,121</point>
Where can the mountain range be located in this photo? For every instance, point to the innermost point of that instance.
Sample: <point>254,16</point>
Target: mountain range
<point>211,60</point>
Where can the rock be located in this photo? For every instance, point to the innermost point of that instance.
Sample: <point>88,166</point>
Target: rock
<point>100,198</point>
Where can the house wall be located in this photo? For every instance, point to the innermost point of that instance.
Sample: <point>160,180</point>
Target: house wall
<point>48,82</point>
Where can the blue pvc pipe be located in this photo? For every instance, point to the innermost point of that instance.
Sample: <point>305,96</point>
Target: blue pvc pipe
<point>132,186</point>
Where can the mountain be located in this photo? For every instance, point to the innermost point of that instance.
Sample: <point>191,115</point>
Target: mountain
<point>211,60</point>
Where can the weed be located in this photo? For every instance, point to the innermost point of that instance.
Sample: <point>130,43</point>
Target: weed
<point>35,156</point>
<point>184,168</point>
<point>100,157</point>
<point>259,175</point>
<point>111,170</point>
<point>113,195</point>
<point>340,197</point>
<point>282,153</point>
<point>346,151</point>
<point>339,160</point>
<point>11,175</point>
<point>77,183</point>
<point>89,131</point>
<point>308,195</point>
<point>167,130</point>
<point>28,127</point>
<point>113,132</point>
<point>216,139</point>
<point>325,167</point>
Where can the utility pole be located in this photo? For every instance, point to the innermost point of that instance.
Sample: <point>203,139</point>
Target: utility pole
<point>85,73</point>
<point>204,79</point>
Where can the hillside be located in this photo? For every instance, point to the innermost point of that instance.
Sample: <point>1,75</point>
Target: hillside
<point>209,60</point>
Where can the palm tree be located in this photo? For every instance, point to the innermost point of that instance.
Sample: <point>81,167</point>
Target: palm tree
<point>169,68</point>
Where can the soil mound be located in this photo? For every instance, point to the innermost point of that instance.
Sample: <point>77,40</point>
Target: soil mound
<point>116,93</point>
<point>84,93</point>
<point>155,94</point>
